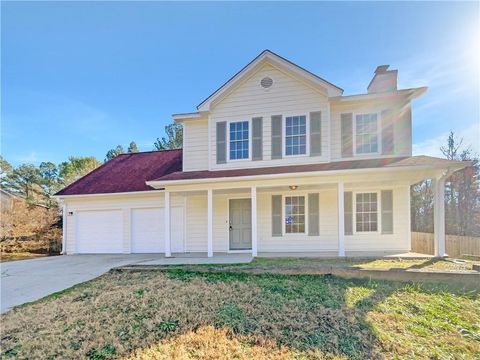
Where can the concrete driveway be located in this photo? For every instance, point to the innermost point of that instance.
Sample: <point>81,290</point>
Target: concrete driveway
<point>29,280</point>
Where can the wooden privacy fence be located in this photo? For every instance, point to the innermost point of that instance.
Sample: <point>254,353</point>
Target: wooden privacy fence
<point>455,245</point>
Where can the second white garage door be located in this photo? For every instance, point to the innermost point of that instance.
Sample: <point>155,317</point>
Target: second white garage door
<point>100,232</point>
<point>148,231</point>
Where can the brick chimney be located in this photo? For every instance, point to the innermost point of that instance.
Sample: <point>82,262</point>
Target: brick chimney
<point>383,80</point>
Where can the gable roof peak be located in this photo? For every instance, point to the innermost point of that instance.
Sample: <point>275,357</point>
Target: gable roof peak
<point>278,60</point>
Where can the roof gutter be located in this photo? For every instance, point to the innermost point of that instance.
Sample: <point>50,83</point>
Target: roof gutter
<point>159,183</point>
<point>411,93</point>
<point>143,192</point>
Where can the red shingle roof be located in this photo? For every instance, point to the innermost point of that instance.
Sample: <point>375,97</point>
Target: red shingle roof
<point>127,172</point>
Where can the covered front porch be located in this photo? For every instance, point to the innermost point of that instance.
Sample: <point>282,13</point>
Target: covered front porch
<point>328,220</point>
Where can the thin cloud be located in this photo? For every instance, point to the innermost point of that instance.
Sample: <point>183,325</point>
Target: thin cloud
<point>431,147</point>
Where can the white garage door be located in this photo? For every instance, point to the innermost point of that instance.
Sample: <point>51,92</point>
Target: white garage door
<point>99,232</point>
<point>148,232</point>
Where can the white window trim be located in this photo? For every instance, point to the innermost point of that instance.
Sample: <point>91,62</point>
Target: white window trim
<point>284,135</point>
<point>284,226</point>
<point>249,140</point>
<point>379,133</point>
<point>379,211</point>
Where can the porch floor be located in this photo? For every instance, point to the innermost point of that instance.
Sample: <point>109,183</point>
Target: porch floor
<point>245,258</point>
<point>197,259</point>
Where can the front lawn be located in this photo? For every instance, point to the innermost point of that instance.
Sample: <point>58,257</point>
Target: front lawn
<point>427,264</point>
<point>181,314</point>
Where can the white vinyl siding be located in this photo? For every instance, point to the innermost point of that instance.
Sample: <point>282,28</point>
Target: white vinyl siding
<point>196,223</point>
<point>399,240</point>
<point>301,242</point>
<point>287,97</point>
<point>195,145</point>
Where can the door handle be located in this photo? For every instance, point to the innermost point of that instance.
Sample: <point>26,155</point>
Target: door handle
<point>230,228</point>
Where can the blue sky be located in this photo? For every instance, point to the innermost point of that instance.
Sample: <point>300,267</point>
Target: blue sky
<point>78,78</point>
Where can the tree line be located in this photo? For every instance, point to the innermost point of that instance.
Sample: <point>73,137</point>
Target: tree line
<point>462,195</point>
<point>37,184</point>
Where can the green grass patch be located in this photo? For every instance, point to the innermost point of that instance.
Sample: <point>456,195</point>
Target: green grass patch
<point>191,314</point>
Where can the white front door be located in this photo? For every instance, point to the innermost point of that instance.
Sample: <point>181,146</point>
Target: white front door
<point>99,232</point>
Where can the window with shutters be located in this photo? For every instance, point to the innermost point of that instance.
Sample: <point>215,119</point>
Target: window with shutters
<point>295,214</point>
<point>366,134</point>
<point>296,135</point>
<point>366,212</point>
<point>239,140</point>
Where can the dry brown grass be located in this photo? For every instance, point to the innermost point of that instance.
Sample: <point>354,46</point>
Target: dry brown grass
<point>210,343</point>
<point>182,314</point>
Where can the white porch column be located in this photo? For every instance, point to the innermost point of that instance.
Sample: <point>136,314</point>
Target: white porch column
<point>341,219</point>
<point>166,222</point>
<point>64,228</point>
<point>439,216</point>
<point>254,220</point>
<point>210,222</point>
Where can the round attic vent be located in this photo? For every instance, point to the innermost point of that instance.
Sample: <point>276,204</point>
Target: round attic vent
<point>266,82</point>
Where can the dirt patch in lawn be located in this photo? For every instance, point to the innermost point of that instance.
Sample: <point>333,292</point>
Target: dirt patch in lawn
<point>145,315</point>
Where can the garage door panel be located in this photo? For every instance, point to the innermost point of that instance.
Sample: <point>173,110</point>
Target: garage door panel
<point>148,230</point>
<point>100,232</point>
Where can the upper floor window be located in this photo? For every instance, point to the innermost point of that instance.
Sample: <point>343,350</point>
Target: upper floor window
<point>366,134</point>
<point>239,140</point>
<point>296,135</point>
<point>366,212</point>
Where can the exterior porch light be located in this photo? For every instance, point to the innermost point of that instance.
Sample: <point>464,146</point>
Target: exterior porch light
<point>293,187</point>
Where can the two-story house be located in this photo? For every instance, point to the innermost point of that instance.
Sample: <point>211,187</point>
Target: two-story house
<point>276,161</point>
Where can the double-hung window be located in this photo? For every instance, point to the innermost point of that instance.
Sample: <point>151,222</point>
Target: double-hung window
<point>366,212</point>
<point>239,140</point>
<point>366,133</point>
<point>295,214</point>
<point>296,135</point>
